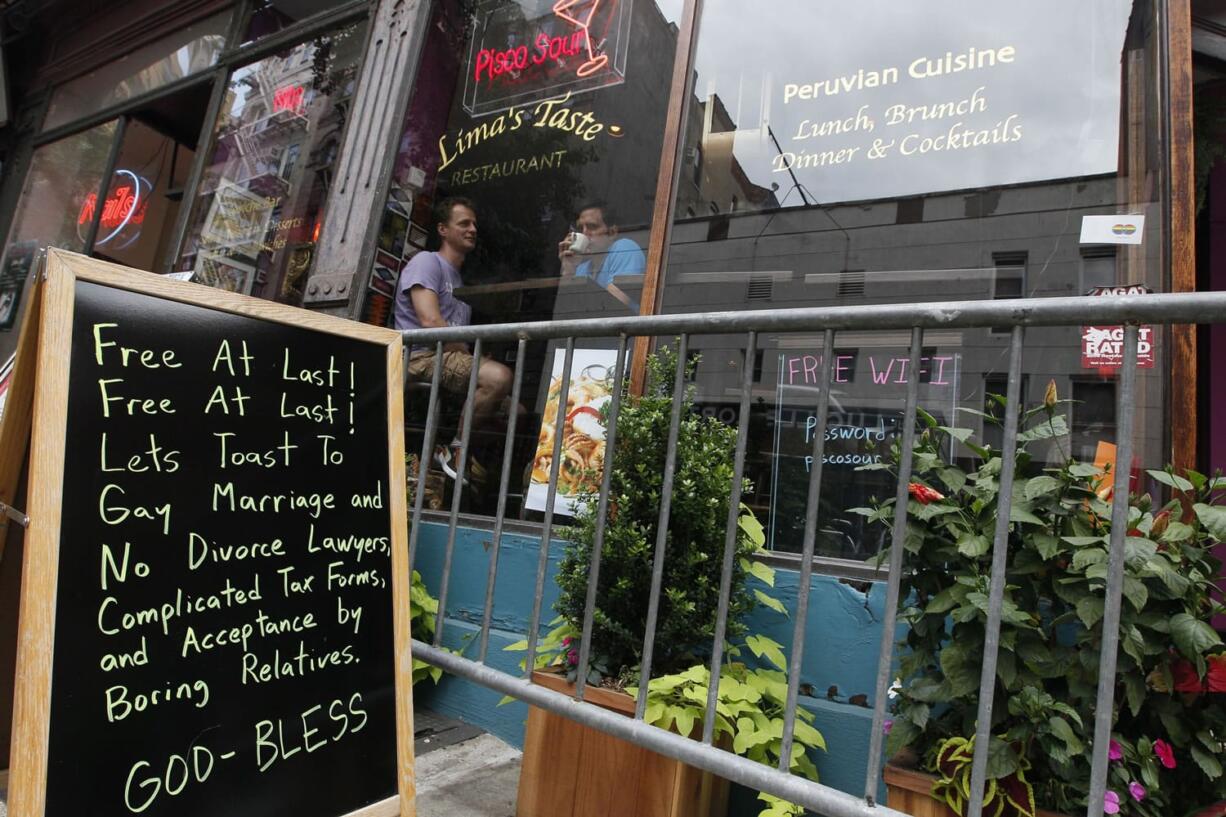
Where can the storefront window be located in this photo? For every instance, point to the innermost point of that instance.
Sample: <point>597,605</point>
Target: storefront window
<point>52,212</point>
<point>899,153</point>
<point>550,119</point>
<point>188,51</point>
<point>257,213</point>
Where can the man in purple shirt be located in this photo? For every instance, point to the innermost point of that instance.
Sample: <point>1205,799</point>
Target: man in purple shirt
<point>425,298</point>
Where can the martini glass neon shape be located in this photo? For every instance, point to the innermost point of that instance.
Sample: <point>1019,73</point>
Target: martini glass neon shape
<point>595,61</point>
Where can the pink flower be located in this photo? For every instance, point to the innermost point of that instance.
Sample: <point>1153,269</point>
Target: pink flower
<point>1111,803</point>
<point>572,657</point>
<point>1137,791</point>
<point>1114,751</point>
<point>886,726</point>
<point>566,641</point>
<point>1165,753</point>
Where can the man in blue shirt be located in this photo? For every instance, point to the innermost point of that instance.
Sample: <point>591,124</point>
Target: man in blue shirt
<point>594,251</point>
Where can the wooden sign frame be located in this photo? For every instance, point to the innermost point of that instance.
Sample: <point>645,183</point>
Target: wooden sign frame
<point>53,326</point>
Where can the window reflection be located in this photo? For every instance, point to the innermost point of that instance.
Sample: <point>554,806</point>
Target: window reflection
<point>549,118</point>
<point>53,211</point>
<point>187,51</point>
<point>257,213</point>
<point>901,154</point>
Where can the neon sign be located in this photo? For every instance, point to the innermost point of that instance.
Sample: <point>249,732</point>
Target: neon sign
<point>493,63</point>
<point>289,98</point>
<point>125,206</point>
<point>570,46</point>
<point>595,61</point>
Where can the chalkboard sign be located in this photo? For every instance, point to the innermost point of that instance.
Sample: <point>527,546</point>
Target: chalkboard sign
<point>214,607</point>
<point>867,393</point>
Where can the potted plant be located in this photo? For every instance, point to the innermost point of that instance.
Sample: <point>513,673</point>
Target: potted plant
<point>1170,719</point>
<point>751,695</point>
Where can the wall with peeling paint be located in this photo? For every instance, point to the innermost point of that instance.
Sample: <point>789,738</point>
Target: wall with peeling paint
<point>842,642</point>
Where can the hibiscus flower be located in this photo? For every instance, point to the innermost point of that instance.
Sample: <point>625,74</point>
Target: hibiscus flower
<point>923,494</point>
<point>1216,677</point>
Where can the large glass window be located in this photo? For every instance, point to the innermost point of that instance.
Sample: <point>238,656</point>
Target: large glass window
<point>550,118</point>
<point>876,152</point>
<point>53,211</point>
<point>188,51</point>
<point>256,215</point>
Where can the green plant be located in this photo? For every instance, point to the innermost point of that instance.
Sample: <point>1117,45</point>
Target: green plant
<point>750,700</point>
<point>1052,623</point>
<point>422,611</point>
<point>694,545</point>
<point>749,713</point>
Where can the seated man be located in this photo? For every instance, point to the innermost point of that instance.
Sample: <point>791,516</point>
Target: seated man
<point>425,298</point>
<point>594,251</point>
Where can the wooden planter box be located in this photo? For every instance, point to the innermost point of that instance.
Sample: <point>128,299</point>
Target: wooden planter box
<point>570,770</point>
<point>909,790</point>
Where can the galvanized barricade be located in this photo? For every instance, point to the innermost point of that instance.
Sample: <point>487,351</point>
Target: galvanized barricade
<point>1129,311</point>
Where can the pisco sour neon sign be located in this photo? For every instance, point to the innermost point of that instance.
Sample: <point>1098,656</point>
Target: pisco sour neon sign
<point>493,62</point>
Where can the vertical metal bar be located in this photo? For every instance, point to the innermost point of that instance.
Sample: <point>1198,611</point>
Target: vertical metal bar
<point>500,513</point>
<point>806,561</point>
<point>996,595</point>
<point>427,451</point>
<point>104,184</point>
<point>885,660</point>
<point>731,534</point>
<point>666,502</point>
<point>542,563</point>
<point>195,173</point>
<point>602,511</point>
<point>1104,707</point>
<point>457,490</point>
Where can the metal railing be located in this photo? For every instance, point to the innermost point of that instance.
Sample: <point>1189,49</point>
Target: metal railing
<point>1129,311</point>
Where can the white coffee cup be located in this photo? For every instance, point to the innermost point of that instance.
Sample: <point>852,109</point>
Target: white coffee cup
<point>578,243</point>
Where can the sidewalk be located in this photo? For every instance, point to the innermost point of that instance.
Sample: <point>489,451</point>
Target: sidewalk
<point>463,771</point>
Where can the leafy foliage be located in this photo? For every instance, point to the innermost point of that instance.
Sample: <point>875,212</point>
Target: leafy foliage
<point>749,715</point>
<point>1051,631</point>
<point>694,545</point>
<point>422,611</point>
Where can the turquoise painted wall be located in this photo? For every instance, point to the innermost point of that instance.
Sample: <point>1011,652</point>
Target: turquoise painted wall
<point>842,642</point>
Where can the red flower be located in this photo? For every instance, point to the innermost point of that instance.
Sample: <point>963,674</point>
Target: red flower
<point>923,494</point>
<point>1186,679</point>
<point>1161,520</point>
<point>1165,753</point>
<point>1216,677</point>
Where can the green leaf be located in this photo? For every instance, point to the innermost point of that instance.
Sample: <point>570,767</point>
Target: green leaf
<point>771,650</point>
<point>961,670</point>
<point>1002,759</point>
<point>684,718</point>
<point>1084,469</point>
<point>1020,512</point>
<point>1136,592</point>
<point>1213,518</point>
<point>1178,532</point>
<point>1047,545</point>
<point>1208,763</point>
<point>770,601</point>
<point>954,479</point>
<point>809,736</point>
<point>1089,556</point>
<point>1192,636</point>
<point>959,434</point>
<point>1090,610</point>
<point>973,545</point>
<point>1178,483</point>
<point>760,570</point>
<point>1061,729</point>
<point>1041,485</point>
<point>1084,541</point>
